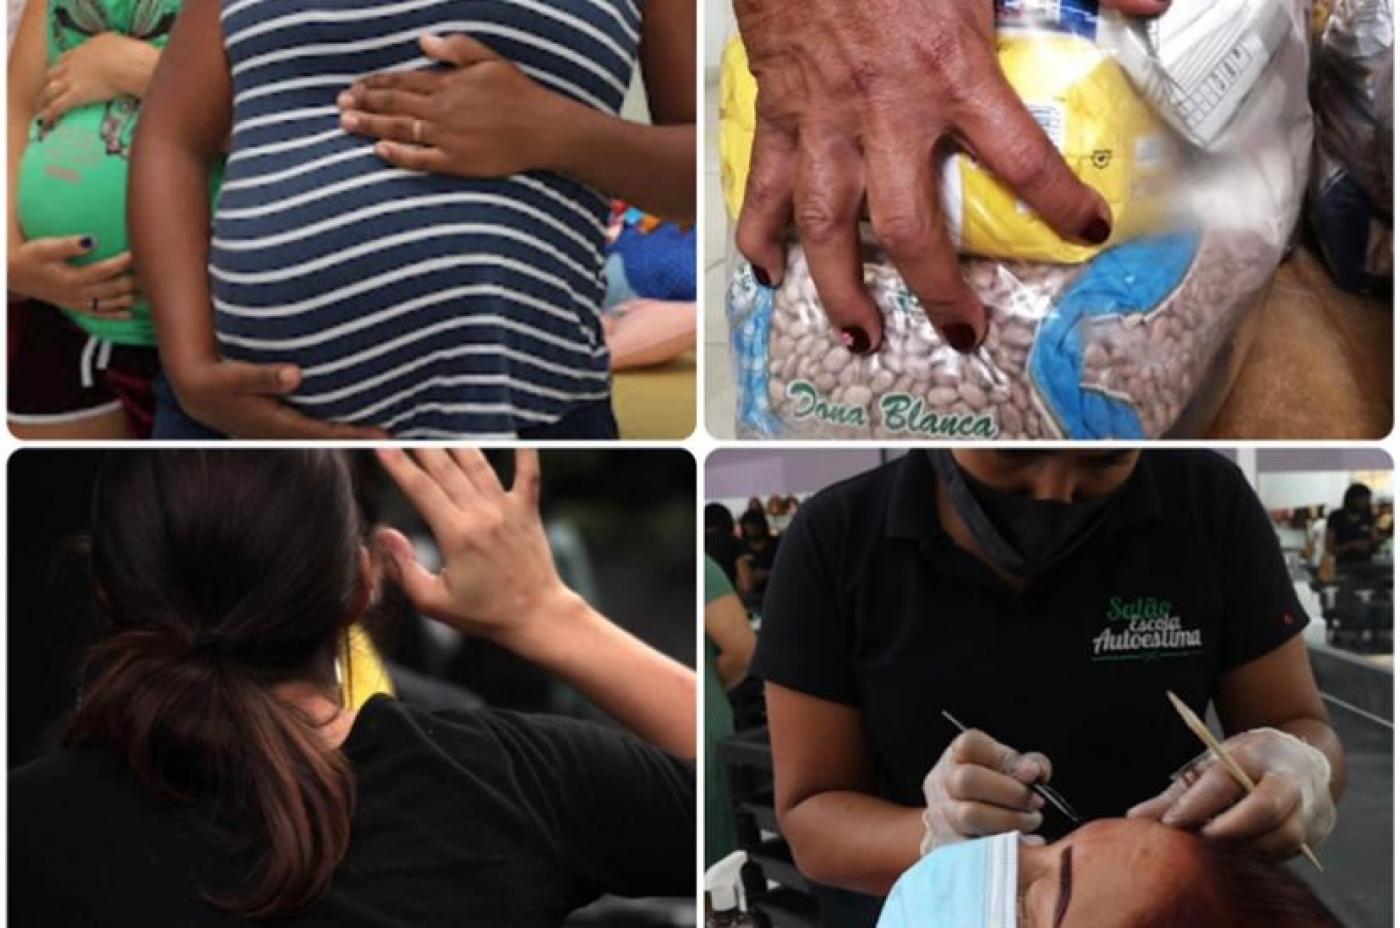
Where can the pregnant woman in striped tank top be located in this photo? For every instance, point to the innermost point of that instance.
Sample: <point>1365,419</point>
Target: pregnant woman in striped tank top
<point>409,237</point>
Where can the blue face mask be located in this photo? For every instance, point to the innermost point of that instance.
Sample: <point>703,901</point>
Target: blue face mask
<point>971,884</point>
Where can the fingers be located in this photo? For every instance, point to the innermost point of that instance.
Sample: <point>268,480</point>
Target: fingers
<point>389,128</point>
<point>979,818</point>
<point>116,308</point>
<point>389,103</point>
<point>761,232</point>
<point>971,783</point>
<point>483,479</point>
<point>1002,134</point>
<point>1153,809</point>
<point>415,157</point>
<point>256,379</point>
<point>527,475</point>
<point>979,748</point>
<point>826,211</point>
<point>110,288</point>
<point>425,493</point>
<point>460,50</point>
<point>1271,810</point>
<point>63,249</point>
<point>419,82</point>
<point>61,101</point>
<point>424,588</point>
<point>1213,792</point>
<point>453,479</point>
<point>105,269</point>
<point>907,220</point>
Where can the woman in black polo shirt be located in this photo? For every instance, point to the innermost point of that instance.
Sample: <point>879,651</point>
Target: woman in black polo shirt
<point>1050,600</point>
<point>1351,530</point>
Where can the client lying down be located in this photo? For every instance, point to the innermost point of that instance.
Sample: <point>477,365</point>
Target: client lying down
<point>1111,873</point>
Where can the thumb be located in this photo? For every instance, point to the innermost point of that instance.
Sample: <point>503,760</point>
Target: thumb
<point>61,249</point>
<point>259,379</point>
<point>459,50</point>
<point>422,587</point>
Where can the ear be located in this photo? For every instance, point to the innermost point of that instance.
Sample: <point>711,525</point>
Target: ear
<point>368,581</point>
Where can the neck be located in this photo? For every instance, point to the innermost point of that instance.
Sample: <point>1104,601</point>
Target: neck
<point>333,721</point>
<point>953,524</point>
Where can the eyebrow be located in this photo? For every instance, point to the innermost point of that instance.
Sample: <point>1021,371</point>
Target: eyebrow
<point>1066,884</point>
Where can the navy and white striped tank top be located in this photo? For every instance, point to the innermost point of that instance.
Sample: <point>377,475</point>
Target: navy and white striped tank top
<point>430,306</point>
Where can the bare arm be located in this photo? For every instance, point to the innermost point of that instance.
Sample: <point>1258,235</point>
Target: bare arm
<point>727,625</point>
<point>184,121</point>
<point>840,834</point>
<point>651,167</point>
<point>1278,691</point>
<point>500,583</point>
<point>26,77</point>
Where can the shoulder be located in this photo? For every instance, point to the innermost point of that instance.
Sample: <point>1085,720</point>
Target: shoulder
<point>852,503</point>
<point>1196,479</point>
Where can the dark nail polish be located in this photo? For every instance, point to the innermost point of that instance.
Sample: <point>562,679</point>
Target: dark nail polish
<point>760,275</point>
<point>855,340</point>
<point>1096,231</point>
<point>961,336</point>
<point>86,242</point>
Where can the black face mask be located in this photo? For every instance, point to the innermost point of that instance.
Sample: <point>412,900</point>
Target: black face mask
<point>1022,536</point>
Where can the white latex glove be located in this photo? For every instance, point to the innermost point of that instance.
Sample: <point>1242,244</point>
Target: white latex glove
<point>981,787</point>
<point>1291,801</point>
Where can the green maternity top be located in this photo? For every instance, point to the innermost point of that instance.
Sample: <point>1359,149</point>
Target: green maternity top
<point>72,178</point>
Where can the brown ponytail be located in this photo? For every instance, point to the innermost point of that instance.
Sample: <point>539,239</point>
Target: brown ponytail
<point>222,574</point>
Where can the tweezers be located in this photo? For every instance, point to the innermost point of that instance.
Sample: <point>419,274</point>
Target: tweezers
<point>1043,790</point>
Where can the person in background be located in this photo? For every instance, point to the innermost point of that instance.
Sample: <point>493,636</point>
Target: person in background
<point>81,360</point>
<point>758,552</point>
<point>779,515</point>
<point>722,545</point>
<point>729,646</point>
<point>1351,530</point>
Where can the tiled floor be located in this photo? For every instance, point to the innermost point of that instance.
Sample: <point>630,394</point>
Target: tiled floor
<point>1320,364</point>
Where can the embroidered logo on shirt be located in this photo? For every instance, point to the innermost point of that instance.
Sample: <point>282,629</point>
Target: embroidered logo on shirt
<point>1144,628</point>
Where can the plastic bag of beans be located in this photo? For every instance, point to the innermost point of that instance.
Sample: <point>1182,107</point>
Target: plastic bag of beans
<point>1140,338</point>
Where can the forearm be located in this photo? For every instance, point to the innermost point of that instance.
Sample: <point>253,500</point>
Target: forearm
<point>650,694</point>
<point>853,840</point>
<point>649,167</point>
<point>1320,735</point>
<point>169,219</point>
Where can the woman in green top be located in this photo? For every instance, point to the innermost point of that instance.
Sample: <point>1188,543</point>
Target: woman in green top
<point>77,71</point>
<point>729,644</point>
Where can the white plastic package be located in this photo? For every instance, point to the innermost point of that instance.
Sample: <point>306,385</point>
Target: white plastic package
<point>1196,129</point>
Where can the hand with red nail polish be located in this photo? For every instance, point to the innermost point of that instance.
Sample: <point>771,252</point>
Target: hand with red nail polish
<point>854,102</point>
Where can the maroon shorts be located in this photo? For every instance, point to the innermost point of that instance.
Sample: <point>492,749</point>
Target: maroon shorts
<point>58,373</point>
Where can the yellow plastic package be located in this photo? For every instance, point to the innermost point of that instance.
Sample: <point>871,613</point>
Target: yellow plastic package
<point>1110,138</point>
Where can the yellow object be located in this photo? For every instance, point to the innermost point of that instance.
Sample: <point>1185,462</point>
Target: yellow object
<point>738,98</point>
<point>364,673</point>
<point>1109,137</point>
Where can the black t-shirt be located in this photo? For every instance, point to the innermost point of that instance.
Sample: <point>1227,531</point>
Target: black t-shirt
<point>1345,528</point>
<point>871,604</point>
<point>463,819</point>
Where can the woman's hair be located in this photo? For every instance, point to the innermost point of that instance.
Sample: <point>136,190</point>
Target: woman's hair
<point>1357,491</point>
<point>755,519</point>
<point>221,573</point>
<point>1229,887</point>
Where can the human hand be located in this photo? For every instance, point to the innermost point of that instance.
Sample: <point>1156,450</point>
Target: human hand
<point>981,787</point>
<point>483,117</point>
<point>241,400</point>
<point>85,74</point>
<point>498,580</point>
<point>856,105</point>
<point>1290,804</point>
<point>40,269</point>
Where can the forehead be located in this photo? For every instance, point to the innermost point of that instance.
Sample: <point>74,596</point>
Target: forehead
<point>1134,843</point>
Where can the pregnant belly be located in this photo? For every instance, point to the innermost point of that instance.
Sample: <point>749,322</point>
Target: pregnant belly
<point>392,290</point>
